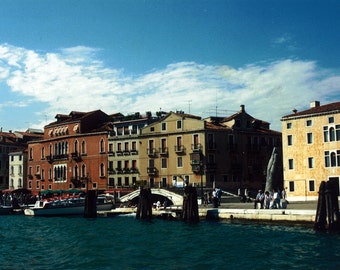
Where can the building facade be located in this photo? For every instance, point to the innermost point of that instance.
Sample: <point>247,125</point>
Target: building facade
<point>72,154</point>
<point>124,150</point>
<point>311,149</point>
<point>17,170</point>
<point>13,142</point>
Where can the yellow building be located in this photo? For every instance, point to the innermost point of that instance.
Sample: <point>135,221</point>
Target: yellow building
<point>231,153</point>
<point>166,149</point>
<point>311,149</point>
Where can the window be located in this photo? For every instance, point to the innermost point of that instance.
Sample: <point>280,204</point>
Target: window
<point>179,124</point>
<point>332,134</point>
<point>102,170</point>
<point>12,170</point>
<point>332,159</point>
<point>309,138</point>
<point>291,186</point>
<point>163,126</point>
<point>164,163</point>
<point>126,181</point>
<point>310,162</point>
<point>331,120</point>
<point>43,153</point>
<point>290,139</point>
<point>110,147</point>
<point>325,134</point>
<point>83,171</point>
<point>337,132</point>
<point>291,164</point>
<point>311,185</point>
<point>83,148</point>
<point>94,185</point>
<point>308,123</point>
<point>289,125</point>
<point>102,146</point>
<point>179,162</point>
<point>31,154</point>
<point>111,182</point>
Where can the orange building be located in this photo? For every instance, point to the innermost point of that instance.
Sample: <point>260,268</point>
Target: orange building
<point>71,155</point>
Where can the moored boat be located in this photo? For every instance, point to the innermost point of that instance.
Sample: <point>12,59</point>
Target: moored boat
<point>65,207</point>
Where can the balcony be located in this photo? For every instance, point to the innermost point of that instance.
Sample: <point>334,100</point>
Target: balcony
<point>75,156</point>
<point>197,147</point>
<point>119,153</point>
<point>119,170</point>
<point>49,158</point>
<point>152,152</point>
<point>126,170</point>
<point>111,171</point>
<point>126,153</point>
<point>180,149</point>
<point>76,181</point>
<point>60,157</point>
<point>164,151</point>
<point>134,152</point>
<point>134,170</point>
<point>152,171</point>
<point>111,153</point>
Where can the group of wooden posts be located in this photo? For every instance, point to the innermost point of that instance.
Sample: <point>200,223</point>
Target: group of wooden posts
<point>327,213</point>
<point>190,204</point>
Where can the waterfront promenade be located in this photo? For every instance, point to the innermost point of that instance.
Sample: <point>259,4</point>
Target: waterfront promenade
<point>232,209</point>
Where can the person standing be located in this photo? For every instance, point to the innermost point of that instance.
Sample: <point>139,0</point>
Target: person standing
<point>276,199</point>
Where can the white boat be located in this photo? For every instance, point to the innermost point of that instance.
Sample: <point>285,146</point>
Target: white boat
<point>64,207</point>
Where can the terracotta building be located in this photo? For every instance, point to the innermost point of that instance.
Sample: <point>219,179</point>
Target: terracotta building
<point>311,149</point>
<point>71,155</point>
<point>11,142</point>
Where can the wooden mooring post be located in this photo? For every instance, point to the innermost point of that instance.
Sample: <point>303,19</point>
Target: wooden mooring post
<point>90,209</point>
<point>190,204</point>
<point>327,213</point>
<point>144,208</point>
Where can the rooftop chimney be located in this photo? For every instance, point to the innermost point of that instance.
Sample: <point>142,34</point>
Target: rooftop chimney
<point>242,108</point>
<point>314,104</point>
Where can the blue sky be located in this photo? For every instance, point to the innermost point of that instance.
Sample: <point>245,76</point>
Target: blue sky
<point>191,55</point>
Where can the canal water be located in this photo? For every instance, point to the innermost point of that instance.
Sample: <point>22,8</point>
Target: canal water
<point>122,242</point>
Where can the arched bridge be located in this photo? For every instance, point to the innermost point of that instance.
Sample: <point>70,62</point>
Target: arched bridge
<point>176,199</point>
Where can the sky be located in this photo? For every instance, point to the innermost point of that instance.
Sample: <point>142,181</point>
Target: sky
<point>203,57</point>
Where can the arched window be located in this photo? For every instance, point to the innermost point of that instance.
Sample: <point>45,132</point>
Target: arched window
<point>83,170</point>
<point>83,147</point>
<point>331,134</point>
<point>333,159</point>
<point>101,146</point>
<point>75,146</point>
<point>75,171</point>
<point>102,170</point>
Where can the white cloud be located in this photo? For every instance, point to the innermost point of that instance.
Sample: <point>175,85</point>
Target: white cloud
<point>75,80</point>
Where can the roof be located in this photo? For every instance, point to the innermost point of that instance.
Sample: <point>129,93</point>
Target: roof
<point>328,108</point>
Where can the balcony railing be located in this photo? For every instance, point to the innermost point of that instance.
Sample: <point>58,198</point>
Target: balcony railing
<point>163,151</point>
<point>179,149</point>
<point>75,156</point>
<point>152,152</point>
<point>134,152</point>
<point>196,147</point>
<point>152,171</point>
